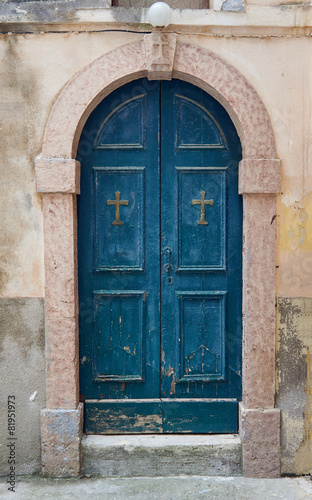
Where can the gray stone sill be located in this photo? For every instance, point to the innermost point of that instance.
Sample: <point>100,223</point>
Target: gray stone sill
<point>161,455</point>
<point>161,440</point>
<point>73,15</point>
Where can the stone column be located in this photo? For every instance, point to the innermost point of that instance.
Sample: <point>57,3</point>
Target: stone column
<point>259,181</point>
<point>61,422</point>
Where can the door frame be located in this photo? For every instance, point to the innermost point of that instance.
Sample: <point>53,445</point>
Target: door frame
<point>58,179</point>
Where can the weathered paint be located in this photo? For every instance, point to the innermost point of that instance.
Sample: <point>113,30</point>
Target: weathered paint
<point>294,383</point>
<point>168,416</point>
<point>22,374</point>
<point>152,240</point>
<point>296,224</point>
<point>20,206</point>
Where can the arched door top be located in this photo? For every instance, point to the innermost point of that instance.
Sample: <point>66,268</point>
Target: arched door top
<point>177,59</point>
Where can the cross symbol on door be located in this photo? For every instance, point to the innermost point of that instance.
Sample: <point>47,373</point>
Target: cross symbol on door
<point>117,202</point>
<point>202,202</point>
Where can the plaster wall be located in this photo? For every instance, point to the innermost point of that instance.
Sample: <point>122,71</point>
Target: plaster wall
<point>22,371</point>
<point>34,69</point>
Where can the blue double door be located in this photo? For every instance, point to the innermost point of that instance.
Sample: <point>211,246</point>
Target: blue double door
<point>159,251</point>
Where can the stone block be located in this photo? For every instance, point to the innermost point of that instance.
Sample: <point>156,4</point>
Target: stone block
<point>160,50</point>
<point>57,175</point>
<point>259,176</point>
<point>60,258</point>
<point>61,434</point>
<point>62,379</point>
<point>161,455</point>
<point>260,434</point>
<point>259,301</point>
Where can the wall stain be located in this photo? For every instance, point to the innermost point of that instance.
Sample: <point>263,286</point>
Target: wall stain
<point>296,225</point>
<point>20,203</point>
<point>303,458</point>
<point>294,383</point>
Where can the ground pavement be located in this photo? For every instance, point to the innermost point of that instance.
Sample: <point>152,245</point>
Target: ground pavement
<point>161,488</point>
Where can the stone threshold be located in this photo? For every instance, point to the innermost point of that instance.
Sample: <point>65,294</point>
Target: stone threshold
<point>161,455</point>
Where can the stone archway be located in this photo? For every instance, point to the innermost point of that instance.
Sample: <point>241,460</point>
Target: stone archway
<point>159,56</point>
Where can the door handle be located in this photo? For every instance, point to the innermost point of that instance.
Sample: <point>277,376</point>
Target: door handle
<point>167,266</point>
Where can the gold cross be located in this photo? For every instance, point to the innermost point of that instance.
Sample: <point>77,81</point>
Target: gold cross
<point>117,202</point>
<point>202,202</point>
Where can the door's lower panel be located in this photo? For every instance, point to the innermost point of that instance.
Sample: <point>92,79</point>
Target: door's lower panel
<point>217,416</point>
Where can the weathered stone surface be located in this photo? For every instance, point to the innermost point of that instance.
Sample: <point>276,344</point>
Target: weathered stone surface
<point>233,5</point>
<point>259,176</point>
<point>22,375</point>
<point>157,455</point>
<point>58,175</point>
<point>192,63</point>
<point>294,383</point>
<point>62,364</point>
<point>61,433</point>
<point>259,301</point>
<point>60,233</point>
<point>239,98</point>
<point>159,52</point>
<point>260,434</point>
<point>90,85</point>
<point>61,300</point>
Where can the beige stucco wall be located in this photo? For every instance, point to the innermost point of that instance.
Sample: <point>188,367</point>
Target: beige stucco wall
<point>34,69</point>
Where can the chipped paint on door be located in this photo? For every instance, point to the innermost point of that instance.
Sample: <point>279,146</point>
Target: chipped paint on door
<point>160,262</point>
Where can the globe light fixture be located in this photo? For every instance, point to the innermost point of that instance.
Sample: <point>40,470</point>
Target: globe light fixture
<point>159,15</point>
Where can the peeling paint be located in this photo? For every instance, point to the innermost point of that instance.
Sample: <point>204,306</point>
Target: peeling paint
<point>294,383</point>
<point>296,225</point>
<point>172,386</point>
<point>303,458</point>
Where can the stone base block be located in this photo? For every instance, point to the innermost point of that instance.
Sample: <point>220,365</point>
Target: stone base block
<point>61,434</point>
<point>260,434</point>
<point>161,455</point>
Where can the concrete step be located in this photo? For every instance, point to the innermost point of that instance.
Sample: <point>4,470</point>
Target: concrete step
<point>162,455</point>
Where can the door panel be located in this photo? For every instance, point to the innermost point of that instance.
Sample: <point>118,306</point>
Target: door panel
<point>201,249</point>
<point>119,243</point>
<point>201,225</point>
<point>119,335</point>
<point>159,225</point>
<point>201,336</point>
<point>118,248</point>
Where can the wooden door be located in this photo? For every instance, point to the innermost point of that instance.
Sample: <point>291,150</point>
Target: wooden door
<point>160,262</point>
